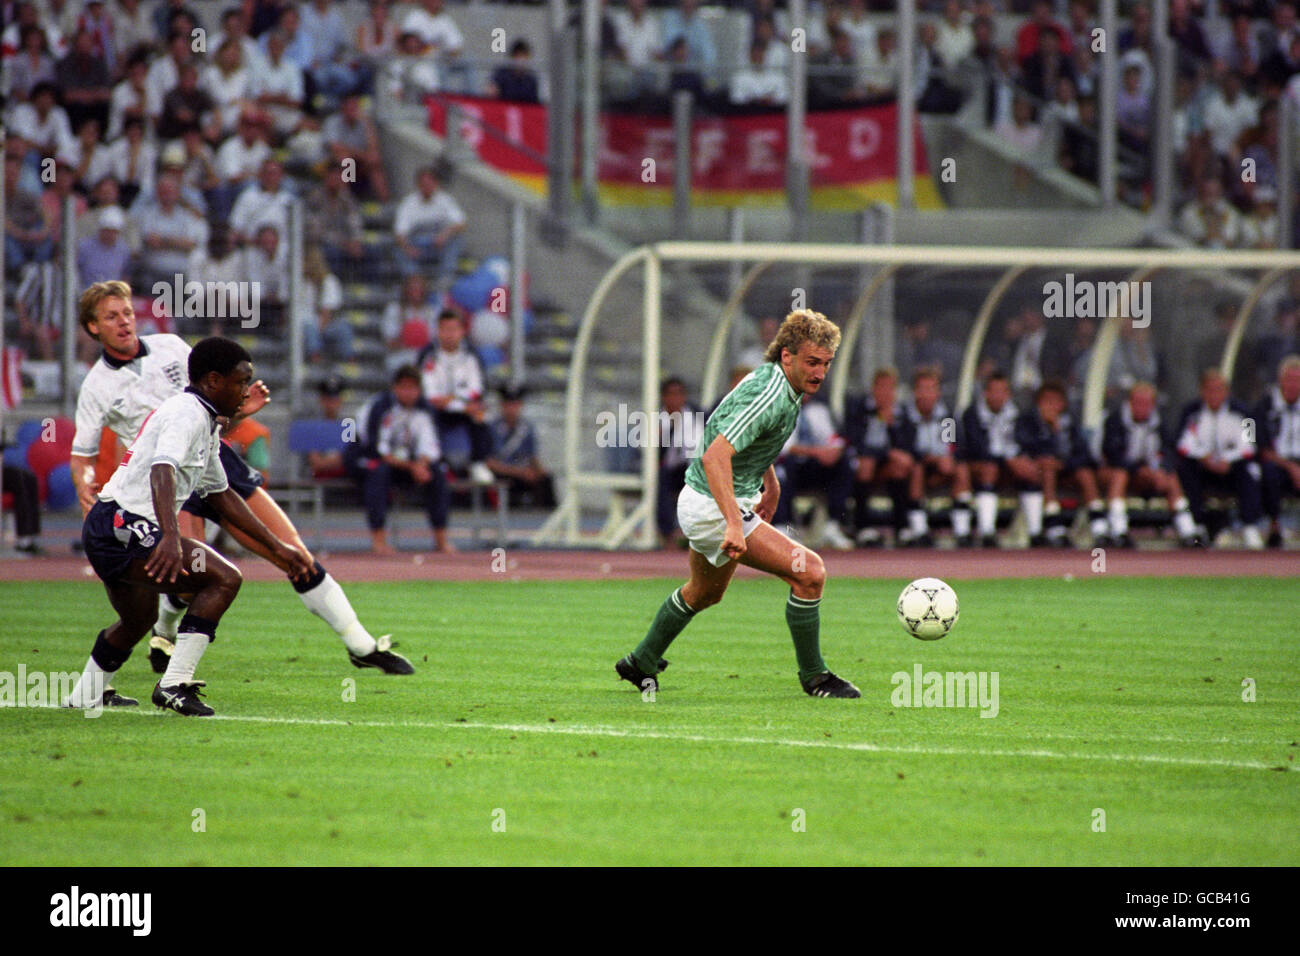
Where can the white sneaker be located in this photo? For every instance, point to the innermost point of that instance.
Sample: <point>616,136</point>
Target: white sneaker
<point>480,474</point>
<point>1253,540</point>
<point>869,538</point>
<point>833,537</point>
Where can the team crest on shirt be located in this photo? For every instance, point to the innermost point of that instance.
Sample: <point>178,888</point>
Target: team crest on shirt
<point>175,374</point>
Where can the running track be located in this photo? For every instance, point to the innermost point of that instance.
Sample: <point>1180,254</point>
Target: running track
<point>529,565</point>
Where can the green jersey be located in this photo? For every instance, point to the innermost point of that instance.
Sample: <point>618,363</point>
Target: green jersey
<point>757,418</point>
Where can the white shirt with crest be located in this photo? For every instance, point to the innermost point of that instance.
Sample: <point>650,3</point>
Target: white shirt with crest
<point>120,395</point>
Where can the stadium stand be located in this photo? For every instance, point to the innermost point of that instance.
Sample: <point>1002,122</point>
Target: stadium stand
<point>168,149</point>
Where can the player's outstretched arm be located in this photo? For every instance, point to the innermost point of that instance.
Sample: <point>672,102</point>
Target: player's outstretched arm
<point>232,508</point>
<point>258,397</point>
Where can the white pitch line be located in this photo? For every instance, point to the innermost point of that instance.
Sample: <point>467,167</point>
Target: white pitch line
<point>640,734</point>
<point>989,731</point>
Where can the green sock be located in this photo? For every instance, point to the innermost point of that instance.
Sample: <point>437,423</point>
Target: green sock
<point>803,615</point>
<point>673,616</point>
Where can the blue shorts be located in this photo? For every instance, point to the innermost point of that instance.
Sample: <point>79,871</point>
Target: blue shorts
<point>114,537</point>
<point>243,478</point>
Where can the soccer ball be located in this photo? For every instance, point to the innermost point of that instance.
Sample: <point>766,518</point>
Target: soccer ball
<point>927,609</point>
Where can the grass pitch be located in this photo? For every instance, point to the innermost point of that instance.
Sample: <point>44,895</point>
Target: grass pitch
<point>515,744</point>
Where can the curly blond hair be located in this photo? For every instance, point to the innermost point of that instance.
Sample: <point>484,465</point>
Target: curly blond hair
<point>800,326</point>
<point>97,293</point>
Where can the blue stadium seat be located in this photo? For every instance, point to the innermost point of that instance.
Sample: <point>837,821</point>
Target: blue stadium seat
<point>455,446</point>
<point>61,492</point>
<point>29,431</point>
<point>315,434</point>
<point>16,454</point>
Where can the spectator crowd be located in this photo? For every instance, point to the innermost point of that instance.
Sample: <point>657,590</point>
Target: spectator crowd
<point>180,135</point>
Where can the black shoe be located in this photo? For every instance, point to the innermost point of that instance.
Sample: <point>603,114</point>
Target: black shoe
<point>1104,541</point>
<point>183,698</point>
<point>1036,541</point>
<point>1125,541</point>
<point>1059,541</point>
<point>110,698</point>
<point>963,541</point>
<point>1274,539</point>
<point>113,699</point>
<point>1192,541</point>
<point>989,541</point>
<point>30,547</point>
<point>160,653</point>
<point>828,685</point>
<point>627,669</point>
<point>383,659</point>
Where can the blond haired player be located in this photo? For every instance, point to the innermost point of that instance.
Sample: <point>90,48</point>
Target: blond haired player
<point>730,496</point>
<point>134,375</point>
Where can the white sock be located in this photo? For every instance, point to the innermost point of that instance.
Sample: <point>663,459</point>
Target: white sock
<point>169,616</point>
<point>986,512</point>
<point>1184,526</point>
<point>961,517</point>
<point>1118,516</point>
<point>1097,517</point>
<point>1031,502</point>
<point>185,658</point>
<point>918,522</point>
<point>90,686</point>
<point>328,602</point>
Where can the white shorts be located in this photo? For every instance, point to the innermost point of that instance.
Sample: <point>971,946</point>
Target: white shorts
<point>702,522</point>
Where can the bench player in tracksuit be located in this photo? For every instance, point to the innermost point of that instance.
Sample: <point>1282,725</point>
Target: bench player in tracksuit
<point>397,443</point>
<point>882,440</point>
<point>1049,434</point>
<point>1278,438</point>
<point>1133,459</point>
<point>133,539</point>
<point>987,448</point>
<point>934,448</point>
<point>815,459</point>
<point>1216,451</point>
<point>132,377</point>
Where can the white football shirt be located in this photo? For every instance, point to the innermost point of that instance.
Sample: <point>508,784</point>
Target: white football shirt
<point>457,374</point>
<point>183,433</point>
<point>120,395</point>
